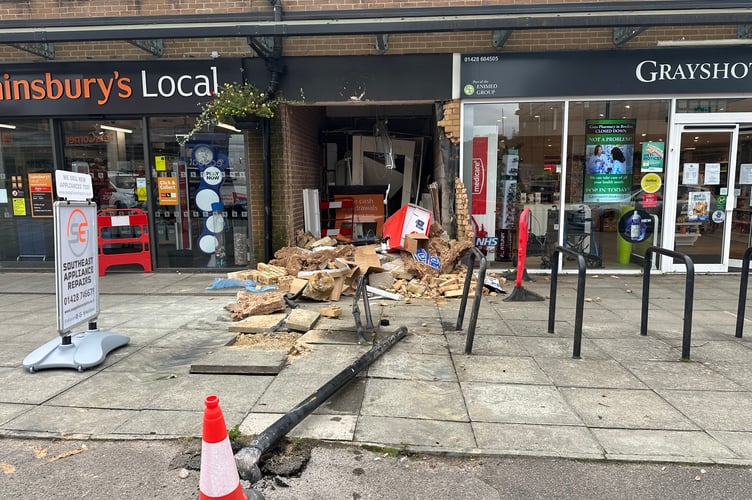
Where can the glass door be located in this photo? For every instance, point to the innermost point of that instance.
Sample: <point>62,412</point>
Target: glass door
<point>741,219</point>
<point>703,187</point>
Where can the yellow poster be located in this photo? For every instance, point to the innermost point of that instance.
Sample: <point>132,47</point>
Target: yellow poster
<point>141,188</point>
<point>160,164</point>
<point>19,207</point>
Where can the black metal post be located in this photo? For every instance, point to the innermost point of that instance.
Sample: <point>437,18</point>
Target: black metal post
<point>580,301</point>
<point>247,458</point>
<point>689,291</point>
<point>743,293</point>
<point>361,290</point>
<point>474,252</point>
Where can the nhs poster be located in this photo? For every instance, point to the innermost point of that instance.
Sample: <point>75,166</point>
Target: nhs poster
<point>609,153</point>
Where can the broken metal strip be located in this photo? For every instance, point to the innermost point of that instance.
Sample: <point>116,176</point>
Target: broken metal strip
<point>382,42</point>
<point>154,46</point>
<point>499,38</point>
<point>623,34</point>
<point>44,49</point>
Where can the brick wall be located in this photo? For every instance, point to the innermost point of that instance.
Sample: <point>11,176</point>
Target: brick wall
<point>297,163</point>
<point>303,163</point>
<point>417,43</point>
<point>406,43</point>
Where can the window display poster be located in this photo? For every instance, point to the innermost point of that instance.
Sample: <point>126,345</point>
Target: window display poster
<point>745,173</point>
<point>712,174</point>
<point>168,190</point>
<point>479,175</point>
<point>652,156</point>
<point>40,187</point>
<point>698,207</point>
<point>691,174</point>
<point>609,153</point>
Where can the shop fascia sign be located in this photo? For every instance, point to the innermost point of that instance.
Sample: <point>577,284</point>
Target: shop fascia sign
<point>112,86</point>
<point>603,72</point>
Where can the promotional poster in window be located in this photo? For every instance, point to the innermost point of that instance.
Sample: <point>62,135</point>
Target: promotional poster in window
<point>609,153</point>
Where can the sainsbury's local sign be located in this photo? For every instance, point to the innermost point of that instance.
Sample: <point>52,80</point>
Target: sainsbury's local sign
<point>107,87</point>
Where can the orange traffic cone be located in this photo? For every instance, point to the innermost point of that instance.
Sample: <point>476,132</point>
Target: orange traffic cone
<point>219,477</point>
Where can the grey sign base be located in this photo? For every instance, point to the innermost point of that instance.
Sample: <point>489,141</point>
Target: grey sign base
<point>86,349</point>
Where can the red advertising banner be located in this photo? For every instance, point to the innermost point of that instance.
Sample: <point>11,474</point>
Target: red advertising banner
<point>479,175</point>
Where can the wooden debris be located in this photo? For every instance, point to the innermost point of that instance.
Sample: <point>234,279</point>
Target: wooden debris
<point>331,312</point>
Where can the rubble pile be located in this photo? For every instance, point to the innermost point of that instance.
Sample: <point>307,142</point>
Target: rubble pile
<point>325,270</point>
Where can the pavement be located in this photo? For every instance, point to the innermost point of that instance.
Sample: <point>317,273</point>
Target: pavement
<point>519,393</point>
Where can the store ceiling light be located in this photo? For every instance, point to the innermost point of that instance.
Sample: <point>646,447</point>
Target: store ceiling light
<point>116,129</point>
<point>228,127</point>
<point>6,125</point>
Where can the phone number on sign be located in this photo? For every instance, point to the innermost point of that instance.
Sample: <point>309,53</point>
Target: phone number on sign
<point>480,58</point>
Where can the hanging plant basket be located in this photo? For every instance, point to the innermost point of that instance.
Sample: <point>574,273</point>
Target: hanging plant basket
<point>241,104</point>
<point>250,122</point>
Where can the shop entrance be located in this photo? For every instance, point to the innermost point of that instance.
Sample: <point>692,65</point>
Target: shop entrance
<point>709,180</point>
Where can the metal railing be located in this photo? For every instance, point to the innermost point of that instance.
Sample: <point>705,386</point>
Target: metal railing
<point>474,252</point>
<point>580,301</point>
<point>743,293</point>
<point>689,290</point>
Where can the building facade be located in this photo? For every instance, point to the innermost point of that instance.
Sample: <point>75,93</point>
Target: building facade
<point>591,116</point>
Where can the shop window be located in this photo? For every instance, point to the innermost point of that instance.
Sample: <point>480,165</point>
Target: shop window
<point>26,194</point>
<point>200,196</point>
<point>512,161</point>
<point>608,141</point>
<point>112,153</point>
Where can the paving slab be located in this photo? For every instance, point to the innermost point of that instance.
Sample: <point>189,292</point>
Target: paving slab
<point>70,421</point>
<point>411,366</point>
<point>17,385</point>
<point>661,444</point>
<point>9,411</point>
<point>545,440</point>
<point>680,375</point>
<point>638,348</point>
<point>301,320</point>
<point>413,432</point>
<point>332,336</point>
<point>562,347</point>
<point>499,370</point>
<point>589,373</point>
<point>714,411</point>
<point>738,442</point>
<point>414,399</point>
<point>625,408</point>
<point>241,361</point>
<point>487,345</point>
<point>517,404</point>
<point>315,426</point>
<point>258,324</point>
<point>166,423</point>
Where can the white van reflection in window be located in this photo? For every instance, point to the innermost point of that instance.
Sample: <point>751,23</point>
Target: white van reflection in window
<point>122,190</point>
